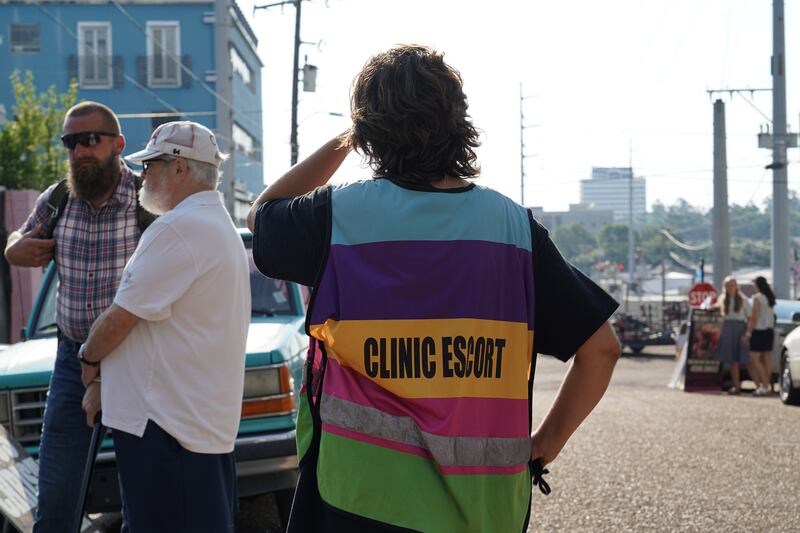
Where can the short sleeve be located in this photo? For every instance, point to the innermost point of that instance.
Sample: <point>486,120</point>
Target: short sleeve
<point>291,235</point>
<point>40,213</point>
<point>159,272</point>
<point>569,306</point>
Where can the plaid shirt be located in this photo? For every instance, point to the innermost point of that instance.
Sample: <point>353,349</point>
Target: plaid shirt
<point>92,248</point>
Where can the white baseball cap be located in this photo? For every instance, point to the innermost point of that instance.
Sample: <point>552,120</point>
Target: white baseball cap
<point>181,139</point>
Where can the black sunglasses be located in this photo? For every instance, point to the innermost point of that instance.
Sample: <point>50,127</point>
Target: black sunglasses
<point>146,164</point>
<point>85,138</point>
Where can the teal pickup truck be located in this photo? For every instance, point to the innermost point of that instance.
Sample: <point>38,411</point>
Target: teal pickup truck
<point>266,458</point>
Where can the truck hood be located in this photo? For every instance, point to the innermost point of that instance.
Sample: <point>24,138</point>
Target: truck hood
<point>28,364</point>
<point>271,334</point>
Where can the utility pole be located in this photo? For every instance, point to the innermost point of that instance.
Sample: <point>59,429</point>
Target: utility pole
<point>631,243</point>
<point>224,87</point>
<point>664,332</point>
<point>766,139</point>
<point>295,70</point>
<point>522,154</point>
<point>295,80</point>
<point>780,187</point>
<point>521,149</point>
<point>721,230</point>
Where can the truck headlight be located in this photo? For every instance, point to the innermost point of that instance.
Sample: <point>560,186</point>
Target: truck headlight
<point>268,391</point>
<point>262,382</point>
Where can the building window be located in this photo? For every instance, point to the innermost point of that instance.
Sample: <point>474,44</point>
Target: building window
<point>25,38</point>
<point>163,54</point>
<point>241,68</point>
<point>243,141</point>
<point>94,55</point>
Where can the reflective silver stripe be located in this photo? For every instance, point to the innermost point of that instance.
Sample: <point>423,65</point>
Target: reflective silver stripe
<point>446,451</point>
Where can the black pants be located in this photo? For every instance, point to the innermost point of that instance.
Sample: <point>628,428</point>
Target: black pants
<point>168,488</point>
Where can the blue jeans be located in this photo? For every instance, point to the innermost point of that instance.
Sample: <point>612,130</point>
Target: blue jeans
<point>64,445</point>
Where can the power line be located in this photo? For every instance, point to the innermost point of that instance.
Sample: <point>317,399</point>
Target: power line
<point>683,245</point>
<point>178,62</point>
<point>115,68</point>
<point>167,115</point>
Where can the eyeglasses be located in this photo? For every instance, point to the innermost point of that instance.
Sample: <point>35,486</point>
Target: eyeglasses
<point>146,164</point>
<point>85,138</point>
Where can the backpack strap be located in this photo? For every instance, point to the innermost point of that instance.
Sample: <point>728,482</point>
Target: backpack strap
<point>55,204</point>
<point>60,195</point>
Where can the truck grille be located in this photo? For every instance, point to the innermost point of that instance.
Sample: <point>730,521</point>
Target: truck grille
<point>27,414</point>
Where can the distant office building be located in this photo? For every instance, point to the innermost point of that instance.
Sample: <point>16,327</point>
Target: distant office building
<point>151,61</point>
<point>589,217</point>
<point>609,188</point>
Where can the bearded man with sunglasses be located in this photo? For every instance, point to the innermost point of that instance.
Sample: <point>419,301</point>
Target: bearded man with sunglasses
<point>95,235</point>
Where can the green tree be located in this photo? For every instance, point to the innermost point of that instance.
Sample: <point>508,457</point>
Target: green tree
<point>31,154</point>
<point>573,241</point>
<point>750,252</point>
<point>613,239</point>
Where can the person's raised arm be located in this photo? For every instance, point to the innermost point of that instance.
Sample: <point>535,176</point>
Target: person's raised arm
<point>584,385</point>
<point>305,176</point>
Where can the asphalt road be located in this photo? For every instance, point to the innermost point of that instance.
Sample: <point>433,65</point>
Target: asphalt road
<point>654,459</point>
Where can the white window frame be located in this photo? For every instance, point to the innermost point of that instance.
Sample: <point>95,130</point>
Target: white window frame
<point>93,83</point>
<point>250,83</point>
<point>163,83</point>
<point>248,151</point>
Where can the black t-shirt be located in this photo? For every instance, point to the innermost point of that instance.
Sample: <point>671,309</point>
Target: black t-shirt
<point>292,237</point>
<point>291,241</point>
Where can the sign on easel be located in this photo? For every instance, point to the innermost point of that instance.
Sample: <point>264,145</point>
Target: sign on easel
<point>19,483</point>
<point>702,365</point>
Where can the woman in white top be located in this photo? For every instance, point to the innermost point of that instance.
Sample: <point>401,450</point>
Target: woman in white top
<point>733,349</point>
<point>761,331</point>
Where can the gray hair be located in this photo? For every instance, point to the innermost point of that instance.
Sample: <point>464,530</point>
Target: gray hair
<point>205,173</point>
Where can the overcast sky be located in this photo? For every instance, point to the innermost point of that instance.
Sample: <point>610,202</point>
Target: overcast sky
<point>610,82</point>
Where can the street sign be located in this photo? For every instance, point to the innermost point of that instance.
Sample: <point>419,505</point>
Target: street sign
<point>699,293</point>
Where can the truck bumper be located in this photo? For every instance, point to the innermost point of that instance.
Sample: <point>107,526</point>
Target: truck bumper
<point>264,463</point>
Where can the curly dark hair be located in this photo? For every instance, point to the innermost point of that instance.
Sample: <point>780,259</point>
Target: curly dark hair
<point>410,118</point>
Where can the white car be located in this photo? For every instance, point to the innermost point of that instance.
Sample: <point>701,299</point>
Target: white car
<point>790,367</point>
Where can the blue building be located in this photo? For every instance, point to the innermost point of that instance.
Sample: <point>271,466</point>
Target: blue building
<point>151,61</point>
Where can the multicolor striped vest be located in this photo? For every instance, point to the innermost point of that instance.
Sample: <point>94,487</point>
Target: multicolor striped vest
<point>419,393</point>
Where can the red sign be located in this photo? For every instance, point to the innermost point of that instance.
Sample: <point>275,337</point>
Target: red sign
<point>699,293</point>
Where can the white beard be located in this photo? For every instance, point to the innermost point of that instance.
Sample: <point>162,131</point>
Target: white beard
<point>156,202</point>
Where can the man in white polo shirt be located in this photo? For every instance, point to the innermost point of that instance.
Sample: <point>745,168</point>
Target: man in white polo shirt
<point>172,344</point>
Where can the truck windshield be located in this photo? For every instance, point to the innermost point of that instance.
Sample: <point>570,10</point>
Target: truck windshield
<point>46,321</point>
<point>268,296</point>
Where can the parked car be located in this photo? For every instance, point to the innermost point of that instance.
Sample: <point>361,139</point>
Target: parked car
<point>787,318</point>
<point>631,332</point>
<point>789,361</point>
<point>266,457</point>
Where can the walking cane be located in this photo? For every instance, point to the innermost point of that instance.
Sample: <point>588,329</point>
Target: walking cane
<point>97,437</point>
